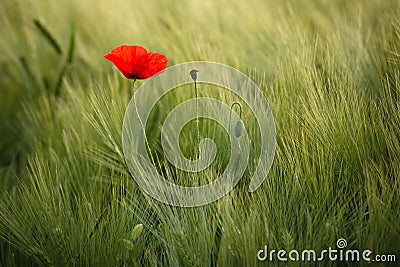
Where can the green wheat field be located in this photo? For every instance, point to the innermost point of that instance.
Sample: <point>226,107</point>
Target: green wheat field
<point>330,71</point>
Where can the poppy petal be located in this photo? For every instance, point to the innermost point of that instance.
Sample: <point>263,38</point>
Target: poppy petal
<point>129,53</point>
<point>135,62</point>
<point>156,63</point>
<point>122,65</point>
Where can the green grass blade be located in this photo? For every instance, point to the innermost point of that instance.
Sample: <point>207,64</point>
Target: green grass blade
<point>71,47</point>
<point>48,36</point>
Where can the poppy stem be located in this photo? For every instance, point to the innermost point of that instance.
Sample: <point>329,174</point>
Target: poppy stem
<point>193,74</point>
<point>141,124</point>
<point>133,87</point>
<point>197,121</point>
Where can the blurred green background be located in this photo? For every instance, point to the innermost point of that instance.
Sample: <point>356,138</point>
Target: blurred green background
<point>329,69</point>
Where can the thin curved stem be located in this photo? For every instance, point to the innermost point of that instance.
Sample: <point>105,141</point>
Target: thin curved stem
<point>141,124</point>
<point>240,111</point>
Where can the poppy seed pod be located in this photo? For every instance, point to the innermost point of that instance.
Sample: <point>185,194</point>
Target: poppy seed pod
<point>238,128</point>
<point>193,73</point>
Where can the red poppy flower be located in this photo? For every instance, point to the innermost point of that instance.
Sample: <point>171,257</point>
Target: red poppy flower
<point>136,63</point>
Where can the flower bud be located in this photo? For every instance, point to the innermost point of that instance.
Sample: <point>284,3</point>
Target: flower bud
<point>238,128</point>
<point>137,230</point>
<point>128,244</point>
